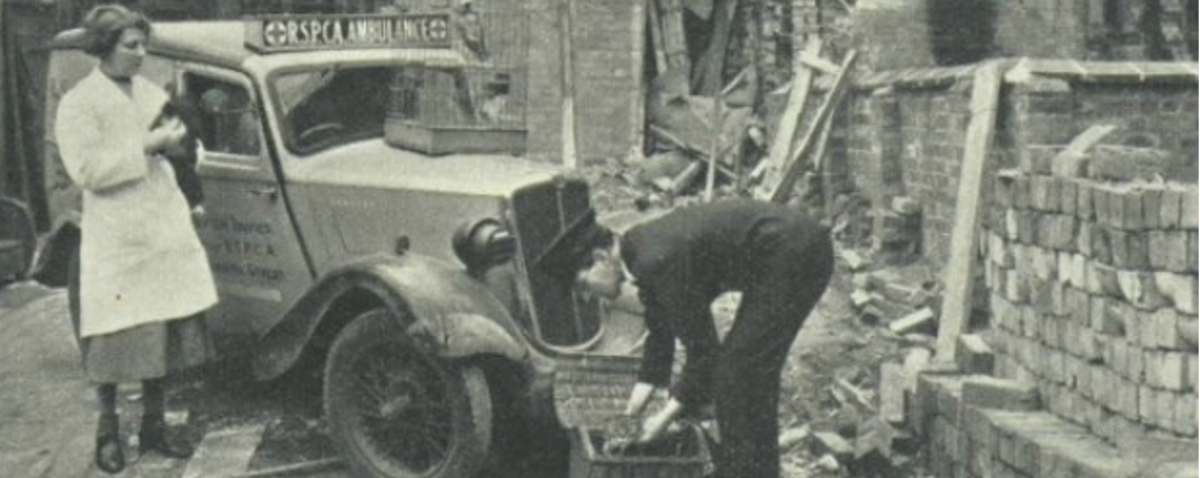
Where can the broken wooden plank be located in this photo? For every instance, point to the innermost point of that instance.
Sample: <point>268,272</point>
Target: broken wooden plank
<point>920,320</point>
<point>817,63</point>
<point>674,38</point>
<point>959,279</point>
<point>860,397</point>
<point>791,172</point>
<point>656,37</point>
<point>293,468</point>
<point>225,452</point>
<point>785,133</point>
<point>567,53</point>
<point>1070,162</point>
<point>706,75</point>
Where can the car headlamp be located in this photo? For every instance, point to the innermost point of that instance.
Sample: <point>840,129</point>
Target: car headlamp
<point>482,242</point>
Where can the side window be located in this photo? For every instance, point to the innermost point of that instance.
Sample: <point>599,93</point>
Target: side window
<point>222,116</point>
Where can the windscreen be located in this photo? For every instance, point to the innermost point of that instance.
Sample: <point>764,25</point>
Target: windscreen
<point>326,107</point>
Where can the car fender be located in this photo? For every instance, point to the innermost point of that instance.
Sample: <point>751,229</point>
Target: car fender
<point>442,309</point>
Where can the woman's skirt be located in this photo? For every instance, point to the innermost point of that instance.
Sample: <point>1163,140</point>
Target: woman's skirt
<point>147,351</point>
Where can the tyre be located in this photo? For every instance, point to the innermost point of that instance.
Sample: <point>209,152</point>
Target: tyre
<point>397,412</point>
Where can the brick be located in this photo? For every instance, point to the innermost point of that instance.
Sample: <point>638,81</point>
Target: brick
<point>1043,193</point>
<point>1078,305</point>
<point>1186,331</point>
<point>1126,399</point>
<point>1166,369</point>
<point>1102,279</point>
<point>1193,249</point>
<point>1002,194</point>
<point>1138,288</point>
<point>1072,269</point>
<point>1136,366</point>
<point>1189,208</point>
<point>1057,231</point>
<point>1031,322</point>
<point>1130,249</point>
<point>1068,189</point>
<point>1102,320</point>
<point>994,393</point>
<point>974,356</point>
<point>1164,409</point>
<point>1184,420</point>
<point>1170,208</point>
<point>1044,263</point>
<point>998,251</point>
<point>1011,226</point>
<point>1037,159</point>
<point>1128,206</point>
<point>891,392</point>
<point>1051,333</point>
<point>1146,402</point>
<point>1169,250</point>
<point>921,320</point>
<point>1151,206</point>
<point>1168,328</point>
<point>1020,192</point>
<point>1145,329</point>
<point>831,443</point>
<point>1016,287</point>
<point>1179,288</point>
<point>1084,202</point>
<point>1027,227</point>
<point>1193,370</point>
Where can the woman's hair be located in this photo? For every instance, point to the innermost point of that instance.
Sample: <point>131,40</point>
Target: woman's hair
<point>103,26</point>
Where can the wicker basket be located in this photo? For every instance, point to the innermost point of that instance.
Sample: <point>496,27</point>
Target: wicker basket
<point>681,455</point>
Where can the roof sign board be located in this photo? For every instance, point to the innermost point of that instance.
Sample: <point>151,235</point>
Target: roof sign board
<point>277,33</point>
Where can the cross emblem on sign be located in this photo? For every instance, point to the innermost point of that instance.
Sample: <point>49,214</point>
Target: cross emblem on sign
<point>275,33</point>
<point>438,29</point>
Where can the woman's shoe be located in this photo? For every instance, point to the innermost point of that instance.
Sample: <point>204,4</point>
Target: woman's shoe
<point>153,437</point>
<point>109,456</point>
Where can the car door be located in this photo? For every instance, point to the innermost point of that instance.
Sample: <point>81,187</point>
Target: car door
<point>257,258</point>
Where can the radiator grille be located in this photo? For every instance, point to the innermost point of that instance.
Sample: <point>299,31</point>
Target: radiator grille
<point>540,213</point>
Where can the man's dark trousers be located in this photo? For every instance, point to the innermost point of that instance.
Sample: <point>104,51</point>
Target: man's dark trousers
<point>747,374</point>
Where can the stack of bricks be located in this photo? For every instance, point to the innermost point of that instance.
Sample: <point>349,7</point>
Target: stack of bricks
<point>1093,297</point>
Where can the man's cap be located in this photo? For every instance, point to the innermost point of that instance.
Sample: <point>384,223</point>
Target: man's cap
<point>563,253</point>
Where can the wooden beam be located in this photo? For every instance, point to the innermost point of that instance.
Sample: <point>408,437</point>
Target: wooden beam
<point>959,278</point>
<point>785,133</point>
<point>817,63</point>
<point>656,37</point>
<point>674,38</point>
<point>776,191</point>
<point>569,153</point>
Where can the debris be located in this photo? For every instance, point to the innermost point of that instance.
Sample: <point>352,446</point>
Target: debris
<point>974,356</point>
<point>905,206</point>
<point>854,261</point>
<point>921,320</point>
<point>859,396</point>
<point>225,452</point>
<point>828,463</point>
<point>891,392</point>
<point>916,361</point>
<point>293,469</point>
<point>1000,394</point>
<point>920,340</point>
<point>831,444</point>
<point>176,418</point>
<point>860,298</point>
<point>1072,162</point>
<point>792,436</point>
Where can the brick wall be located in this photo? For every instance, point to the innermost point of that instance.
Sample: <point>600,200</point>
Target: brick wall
<point>1093,286</point>
<point>905,131</point>
<point>1089,263</point>
<point>607,40</point>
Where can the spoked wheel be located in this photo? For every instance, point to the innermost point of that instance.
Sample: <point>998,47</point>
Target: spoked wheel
<point>397,412</point>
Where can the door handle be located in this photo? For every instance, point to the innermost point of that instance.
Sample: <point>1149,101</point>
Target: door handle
<point>267,192</point>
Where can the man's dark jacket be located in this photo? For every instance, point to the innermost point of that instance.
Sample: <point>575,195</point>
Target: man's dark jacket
<point>682,261</point>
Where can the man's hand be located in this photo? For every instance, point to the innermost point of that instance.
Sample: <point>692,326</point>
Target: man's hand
<point>638,398</point>
<point>656,424</point>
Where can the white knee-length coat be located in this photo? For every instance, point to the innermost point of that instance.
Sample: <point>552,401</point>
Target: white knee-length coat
<point>140,259</point>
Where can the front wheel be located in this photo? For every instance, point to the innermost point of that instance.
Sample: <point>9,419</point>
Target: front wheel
<point>397,412</point>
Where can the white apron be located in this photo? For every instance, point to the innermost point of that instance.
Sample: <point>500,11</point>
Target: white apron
<point>140,259</point>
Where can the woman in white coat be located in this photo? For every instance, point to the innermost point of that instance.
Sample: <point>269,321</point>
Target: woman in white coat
<point>144,278</point>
